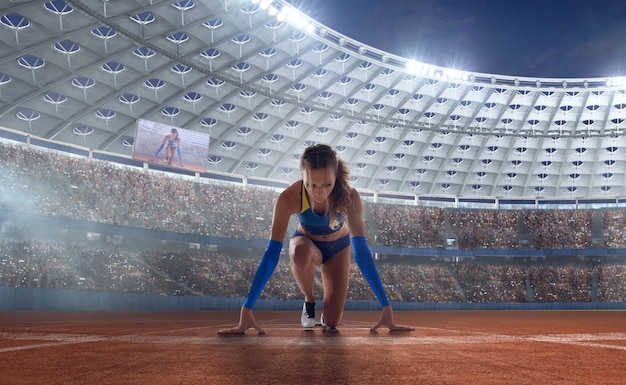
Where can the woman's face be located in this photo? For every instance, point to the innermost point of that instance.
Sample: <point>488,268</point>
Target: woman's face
<point>319,183</point>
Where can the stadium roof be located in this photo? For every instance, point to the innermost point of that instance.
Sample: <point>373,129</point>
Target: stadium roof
<point>265,81</point>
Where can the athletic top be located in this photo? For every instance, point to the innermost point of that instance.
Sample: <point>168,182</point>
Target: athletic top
<point>313,223</point>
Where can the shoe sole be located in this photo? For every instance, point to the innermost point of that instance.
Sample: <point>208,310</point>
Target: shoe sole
<point>308,326</point>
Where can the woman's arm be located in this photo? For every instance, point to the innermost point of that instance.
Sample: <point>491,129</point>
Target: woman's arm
<point>365,262</point>
<point>283,209</point>
<point>162,145</point>
<point>280,221</point>
<point>362,252</point>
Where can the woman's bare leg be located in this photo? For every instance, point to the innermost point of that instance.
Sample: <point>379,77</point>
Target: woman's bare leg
<point>335,276</point>
<point>305,258</point>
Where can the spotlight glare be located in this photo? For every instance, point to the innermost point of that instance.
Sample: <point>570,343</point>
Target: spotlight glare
<point>413,67</point>
<point>453,74</point>
<point>294,16</point>
<point>615,82</point>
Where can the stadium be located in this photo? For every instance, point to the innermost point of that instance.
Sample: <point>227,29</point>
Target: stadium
<point>484,194</point>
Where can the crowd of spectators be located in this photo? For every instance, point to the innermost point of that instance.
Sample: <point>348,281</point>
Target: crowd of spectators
<point>494,283</point>
<point>496,229</point>
<point>409,226</point>
<point>611,282</point>
<point>560,229</point>
<point>613,230</point>
<point>49,264</point>
<point>51,183</point>
<point>239,213</point>
<point>562,283</point>
<point>55,184</point>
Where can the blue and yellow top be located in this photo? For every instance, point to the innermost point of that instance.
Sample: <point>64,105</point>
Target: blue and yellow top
<point>313,223</point>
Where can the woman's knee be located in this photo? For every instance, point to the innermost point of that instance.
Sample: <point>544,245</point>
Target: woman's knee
<point>301,255</point>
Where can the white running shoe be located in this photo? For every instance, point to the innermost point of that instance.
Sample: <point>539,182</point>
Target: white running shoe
<point>322,321</point>
<point>308,315</point>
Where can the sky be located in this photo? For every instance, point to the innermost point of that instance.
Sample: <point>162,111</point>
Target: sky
<point>527,38</point>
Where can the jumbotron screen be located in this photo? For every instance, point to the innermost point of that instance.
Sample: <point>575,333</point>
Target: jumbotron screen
<point>171,146</point>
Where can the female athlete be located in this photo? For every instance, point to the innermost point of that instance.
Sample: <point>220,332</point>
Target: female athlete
<point>171,143</point>
<point>330,214</point>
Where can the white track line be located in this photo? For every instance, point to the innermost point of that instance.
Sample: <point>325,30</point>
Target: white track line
<point>316,339</point>
<point>58,340</point>
<point>37,346</point>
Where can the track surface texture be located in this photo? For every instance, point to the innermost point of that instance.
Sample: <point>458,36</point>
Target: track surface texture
<point>447,347</point>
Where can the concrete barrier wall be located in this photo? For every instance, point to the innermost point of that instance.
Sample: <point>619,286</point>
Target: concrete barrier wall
<point>36,299</point>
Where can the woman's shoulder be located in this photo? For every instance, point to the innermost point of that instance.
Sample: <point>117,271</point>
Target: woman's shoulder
<point>295,186</point>
<point>354,193</point>
<point>355,199</point>
<point>292,193</point>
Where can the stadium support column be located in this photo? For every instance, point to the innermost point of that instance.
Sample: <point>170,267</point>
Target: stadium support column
<point>449,236</point>
<point>523,234</point>
<point>530,293</point>
<point>597,227</point>
<point>594,284</point>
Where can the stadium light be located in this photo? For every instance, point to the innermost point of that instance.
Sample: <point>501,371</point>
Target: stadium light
<point>265,4</point>
<point>616,82</point>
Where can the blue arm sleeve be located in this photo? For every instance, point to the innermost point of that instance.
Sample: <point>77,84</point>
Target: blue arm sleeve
<point>365,262</point>
<point>159,150</point>
<point>263,273</point>
<point>180,157</point>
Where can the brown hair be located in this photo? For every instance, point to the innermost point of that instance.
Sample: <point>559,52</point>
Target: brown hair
<point>323,156</point>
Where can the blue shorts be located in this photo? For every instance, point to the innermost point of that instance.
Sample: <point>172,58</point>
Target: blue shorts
<point>329,248</point>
